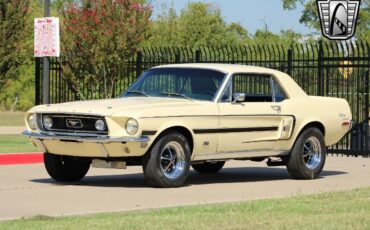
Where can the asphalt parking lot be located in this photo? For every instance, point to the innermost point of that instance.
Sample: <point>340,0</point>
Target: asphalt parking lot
<point>26,190</point>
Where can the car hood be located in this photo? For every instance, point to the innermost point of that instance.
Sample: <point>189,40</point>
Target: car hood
<point>108,107</point>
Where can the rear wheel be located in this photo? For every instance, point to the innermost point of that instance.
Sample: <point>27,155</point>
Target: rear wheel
<point>66,168</point>
<point>208,167</point>
<point>167,163</point>
<point>307,157</point>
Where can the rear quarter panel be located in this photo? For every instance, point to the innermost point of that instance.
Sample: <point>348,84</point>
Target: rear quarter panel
<point>330,112</point>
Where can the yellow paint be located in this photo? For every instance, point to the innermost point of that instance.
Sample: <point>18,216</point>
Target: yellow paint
<point>159,114</point>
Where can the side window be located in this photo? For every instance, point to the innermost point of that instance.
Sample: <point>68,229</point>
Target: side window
<point>257,87</point>
<point>278,91</point>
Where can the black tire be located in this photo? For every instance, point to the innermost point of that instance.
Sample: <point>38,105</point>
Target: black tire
<point>208,167</point>
<point>161,168</point>
<point>304,163</point>
<point>66,168</point>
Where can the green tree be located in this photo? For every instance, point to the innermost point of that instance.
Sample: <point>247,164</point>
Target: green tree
<point>289,36</point>
<point>201,24</point>
<point>21,89</point>
<point>310,16</point>
<point>98,37</point>
<point>198,24</point>
<point>13,29</point>
<point>265,37</point>
<point>165,29</point>
<point>238,33</point>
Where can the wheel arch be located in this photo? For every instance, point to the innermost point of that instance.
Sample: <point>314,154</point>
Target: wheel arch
<point>313,124</point>
<point>181,129</point>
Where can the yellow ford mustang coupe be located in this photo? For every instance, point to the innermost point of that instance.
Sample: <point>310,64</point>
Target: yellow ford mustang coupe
<point>198,115</point>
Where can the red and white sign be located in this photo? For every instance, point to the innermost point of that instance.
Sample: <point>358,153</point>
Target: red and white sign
<point>47,37</point>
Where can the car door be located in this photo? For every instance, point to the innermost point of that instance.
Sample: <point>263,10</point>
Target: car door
<point>254,123</point>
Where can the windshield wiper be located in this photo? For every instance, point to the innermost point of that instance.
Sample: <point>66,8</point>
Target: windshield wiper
<point>176,94</point>
<point>137,92</point>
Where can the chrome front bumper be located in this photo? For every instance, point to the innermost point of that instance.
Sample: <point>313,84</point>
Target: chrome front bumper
<point>88,145</point>
<point>79,138</point>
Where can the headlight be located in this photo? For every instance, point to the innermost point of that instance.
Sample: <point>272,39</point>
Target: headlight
<point>100,125</point>
<point>132,126</point>
<point>47,122</point>
<point>32,121</point>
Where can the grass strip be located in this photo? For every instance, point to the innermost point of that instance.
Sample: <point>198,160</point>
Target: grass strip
<point>16,143</point>
<point>335,210</point>
<point>12,119</point>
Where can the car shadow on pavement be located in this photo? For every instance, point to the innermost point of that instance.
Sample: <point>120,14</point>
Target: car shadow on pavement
<point>250,174</point>
<point>225,176</point>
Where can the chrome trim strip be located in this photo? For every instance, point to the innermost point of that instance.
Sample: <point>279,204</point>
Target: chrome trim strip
<point>71,133</point>
<point>240,154</point>
<point>90,139</point>
<point>73,116</point>
<point>70,113</point>
<point>225,115</point>
<point>76,131</point>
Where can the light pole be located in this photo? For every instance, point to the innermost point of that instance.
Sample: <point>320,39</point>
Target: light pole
<point>46,65</point>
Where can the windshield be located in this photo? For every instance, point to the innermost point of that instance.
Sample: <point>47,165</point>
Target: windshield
<point>186,83</point>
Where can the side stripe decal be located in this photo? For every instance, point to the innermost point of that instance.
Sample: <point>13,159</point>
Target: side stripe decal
<point>236,130</point>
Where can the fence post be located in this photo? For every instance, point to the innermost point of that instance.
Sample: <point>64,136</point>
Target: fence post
<point>197,56</point>
<point>139,61</point>
<point>367,137</point>
<point>320,85</point>
<point>290,57</point>
<point>46,65</point>
<point>177,58</point>
<point>37,81</point>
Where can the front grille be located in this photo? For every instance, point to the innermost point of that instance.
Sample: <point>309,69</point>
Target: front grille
<point>72,123</point>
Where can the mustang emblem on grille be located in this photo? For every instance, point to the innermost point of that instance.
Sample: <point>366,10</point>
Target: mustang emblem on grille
<point>74,123</point>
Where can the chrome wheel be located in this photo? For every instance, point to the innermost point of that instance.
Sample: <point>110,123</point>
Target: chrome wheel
<point>173,160</point>
<point>167,164</point>
<point>312,152</point>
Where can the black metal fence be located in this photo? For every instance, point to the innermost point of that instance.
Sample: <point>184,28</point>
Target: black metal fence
<point>324,69</point>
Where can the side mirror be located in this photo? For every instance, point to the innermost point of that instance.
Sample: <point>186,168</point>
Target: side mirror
<point>238,97</point>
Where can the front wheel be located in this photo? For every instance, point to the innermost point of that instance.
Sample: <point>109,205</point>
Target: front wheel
<point>66,168</point>
<point>307,157</point>
<point>167,163</point>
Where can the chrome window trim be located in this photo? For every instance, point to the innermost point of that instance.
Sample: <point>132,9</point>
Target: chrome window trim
<point>272,76</point>
<point>215,97</point>
<point>273,99</point>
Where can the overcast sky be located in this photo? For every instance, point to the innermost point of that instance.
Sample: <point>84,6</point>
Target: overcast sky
<point>250,13</point>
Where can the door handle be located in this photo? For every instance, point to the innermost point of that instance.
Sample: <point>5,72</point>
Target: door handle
<point>277,108</point>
